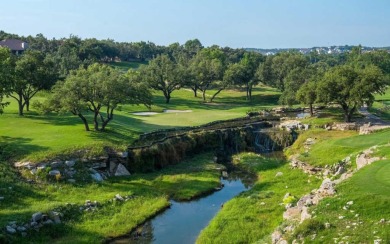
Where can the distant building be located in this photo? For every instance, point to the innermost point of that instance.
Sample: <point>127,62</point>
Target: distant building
<point>16,46</point>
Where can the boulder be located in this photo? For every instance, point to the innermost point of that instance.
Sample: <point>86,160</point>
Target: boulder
<point>55,216</point>
<point>121,171</point>
<point>56,165</point>
<point>10,230</point>
<point>327,188</point>
<point>293,213</point>
<point>54,172</point>
<point>72,181</point>
<point>97,177</point>
<point>36,217</point>
<point>276,236</point>
<point>305,214</point>
<point>21,229</point>
<point>48,222</point>
<point>119,197</point>
<point>124,154</point>
<point>70,163</point>
<point>340,170</point>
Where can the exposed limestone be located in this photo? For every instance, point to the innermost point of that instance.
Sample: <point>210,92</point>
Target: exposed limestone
<point>300,212</point>
<point>365,158</point>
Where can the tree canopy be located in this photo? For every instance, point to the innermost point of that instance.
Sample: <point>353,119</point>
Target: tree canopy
<point>351,87</point>
<point>98,88</point>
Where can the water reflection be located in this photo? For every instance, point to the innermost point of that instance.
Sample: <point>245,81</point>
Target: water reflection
<point>183,221</point>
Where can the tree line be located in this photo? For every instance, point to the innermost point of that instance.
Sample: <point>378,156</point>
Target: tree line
<point>76,73</point>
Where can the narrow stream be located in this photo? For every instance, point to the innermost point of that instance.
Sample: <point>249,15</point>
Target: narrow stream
<point>183,221</point>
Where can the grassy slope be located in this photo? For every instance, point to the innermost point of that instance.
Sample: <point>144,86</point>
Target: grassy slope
<point>37,136</point>
<point>333,146</point>
<point>245,219</point>
<point>369,189</point>
<point>151,191</point>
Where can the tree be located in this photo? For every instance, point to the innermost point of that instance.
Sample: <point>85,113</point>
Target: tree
<point>292,83</point>
<point>33,73</point>
<point>163,75</point>
<point>244,72</point>
<point>96,88</point>
<point>351,87</point>
<point>208,68</point>
<point>307,94</point>
<point>276,68</point>
<point>6,74</point>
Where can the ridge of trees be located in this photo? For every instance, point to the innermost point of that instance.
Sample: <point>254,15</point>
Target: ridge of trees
<point>73,69</point>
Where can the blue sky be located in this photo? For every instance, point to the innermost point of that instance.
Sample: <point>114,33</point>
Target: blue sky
<point>234,23</point>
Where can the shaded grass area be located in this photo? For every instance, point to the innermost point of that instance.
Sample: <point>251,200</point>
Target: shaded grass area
<point>253,215</point>
<point>150,193</point>
<point>369,189</point>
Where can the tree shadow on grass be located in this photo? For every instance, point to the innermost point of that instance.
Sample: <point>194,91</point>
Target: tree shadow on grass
<point>17,147</point>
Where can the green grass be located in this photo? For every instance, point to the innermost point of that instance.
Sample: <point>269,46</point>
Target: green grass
<point>151,193</point>
<point>333,146</point>
<point>325,117</point>
<point>38,137</point>
<point>253,215</point>
<point>369,189</point>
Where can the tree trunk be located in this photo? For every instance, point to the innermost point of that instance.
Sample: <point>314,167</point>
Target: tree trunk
<point>167,98</point>
<point>195,90</point>
<point>21,105</point>
<point>204,95</point>
<point>311,110</point>
<point>347,117</point>
<point>110,116</point>
<point>95,122</point>
<point>215,94</point>
<point>84,121</point>
<point>27,101</point>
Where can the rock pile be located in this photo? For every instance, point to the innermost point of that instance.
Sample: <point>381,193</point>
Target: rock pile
<point>98,168</point>
<point>38,221</point>
<point>300,212</point>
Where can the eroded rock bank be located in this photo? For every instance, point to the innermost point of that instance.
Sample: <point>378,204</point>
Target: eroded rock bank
<point>255,136</point>
<point>332,176</point>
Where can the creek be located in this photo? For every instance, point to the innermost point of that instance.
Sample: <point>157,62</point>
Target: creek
<point>183,221</point>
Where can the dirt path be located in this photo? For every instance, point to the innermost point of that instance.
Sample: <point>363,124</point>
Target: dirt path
<point>370,118</point>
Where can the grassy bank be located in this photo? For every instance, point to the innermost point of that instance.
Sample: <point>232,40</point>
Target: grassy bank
<point>253,215</point>
<point>333,146</point>
<point>364,220</point>
<point>149,194</point>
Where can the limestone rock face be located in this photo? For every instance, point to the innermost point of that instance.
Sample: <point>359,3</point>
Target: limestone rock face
<point>327,188</point>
